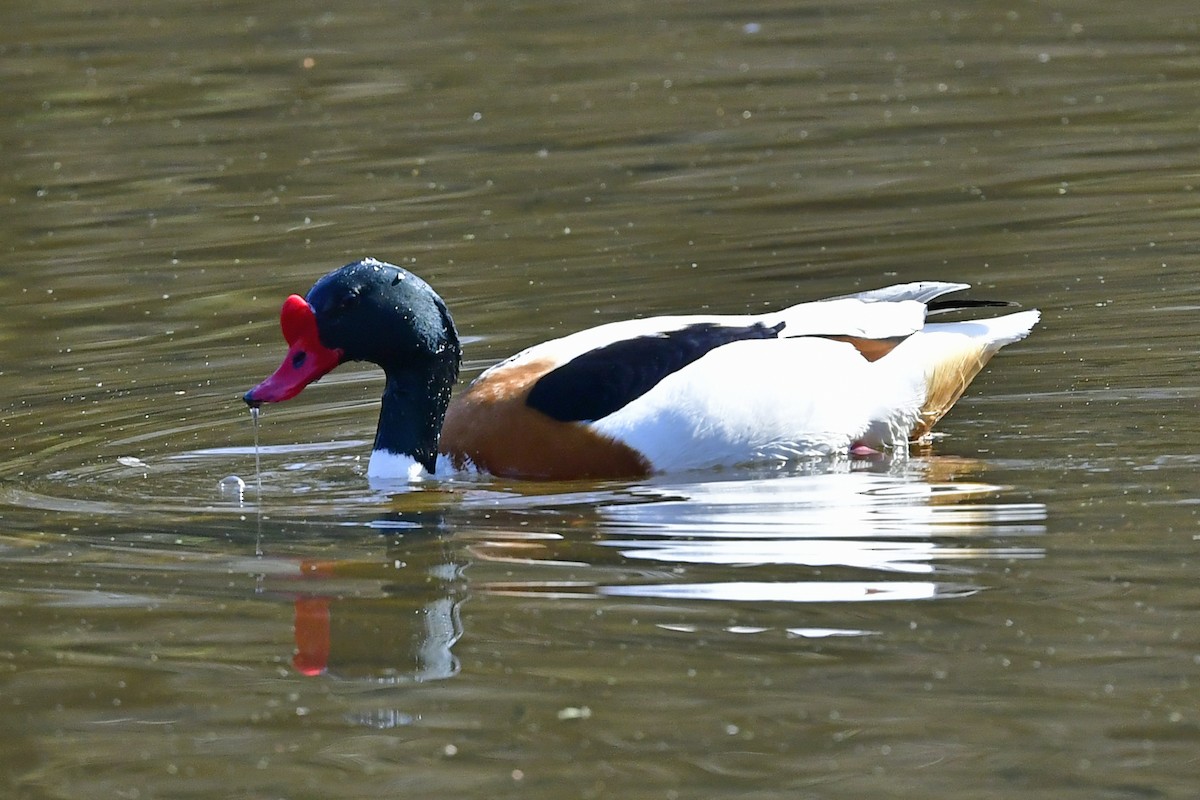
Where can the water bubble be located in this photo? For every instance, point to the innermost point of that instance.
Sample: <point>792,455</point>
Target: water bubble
<point>232,487</point>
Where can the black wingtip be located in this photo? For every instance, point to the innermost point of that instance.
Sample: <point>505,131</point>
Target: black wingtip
<point>945,306</point>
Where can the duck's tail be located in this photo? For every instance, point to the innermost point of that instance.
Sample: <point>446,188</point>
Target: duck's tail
<point>946,356</point>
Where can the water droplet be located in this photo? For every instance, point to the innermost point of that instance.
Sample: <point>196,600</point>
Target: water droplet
<point>254,414</point>
<point>232,487</point>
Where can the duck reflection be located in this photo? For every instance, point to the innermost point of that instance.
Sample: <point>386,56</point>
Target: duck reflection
<point>381,639</point>
<point>919,531</point>
<point>390,621</point>
<point>851,535</point>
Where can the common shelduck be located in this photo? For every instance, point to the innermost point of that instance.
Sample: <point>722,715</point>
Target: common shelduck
<point>858,373</point>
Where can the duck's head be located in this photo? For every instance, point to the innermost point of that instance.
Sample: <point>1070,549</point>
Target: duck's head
<point>366,311</point>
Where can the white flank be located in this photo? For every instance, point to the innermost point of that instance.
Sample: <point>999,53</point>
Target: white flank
<point>751,401</point>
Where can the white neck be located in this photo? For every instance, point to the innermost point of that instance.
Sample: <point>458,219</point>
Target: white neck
<point>387,465</point>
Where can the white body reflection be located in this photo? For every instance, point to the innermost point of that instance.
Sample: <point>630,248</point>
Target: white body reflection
<point>857,529</point>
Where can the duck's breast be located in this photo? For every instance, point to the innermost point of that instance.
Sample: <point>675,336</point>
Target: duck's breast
<point>492,428</point>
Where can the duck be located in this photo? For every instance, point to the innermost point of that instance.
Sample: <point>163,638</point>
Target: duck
<point>848,376</point>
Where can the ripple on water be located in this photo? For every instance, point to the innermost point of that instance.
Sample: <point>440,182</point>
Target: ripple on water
<point>307,478</point>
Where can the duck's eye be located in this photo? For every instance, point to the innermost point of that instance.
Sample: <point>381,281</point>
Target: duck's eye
<point>346,302</point>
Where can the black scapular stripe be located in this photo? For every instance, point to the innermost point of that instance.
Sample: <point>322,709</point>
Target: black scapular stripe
<point>597,383</point>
